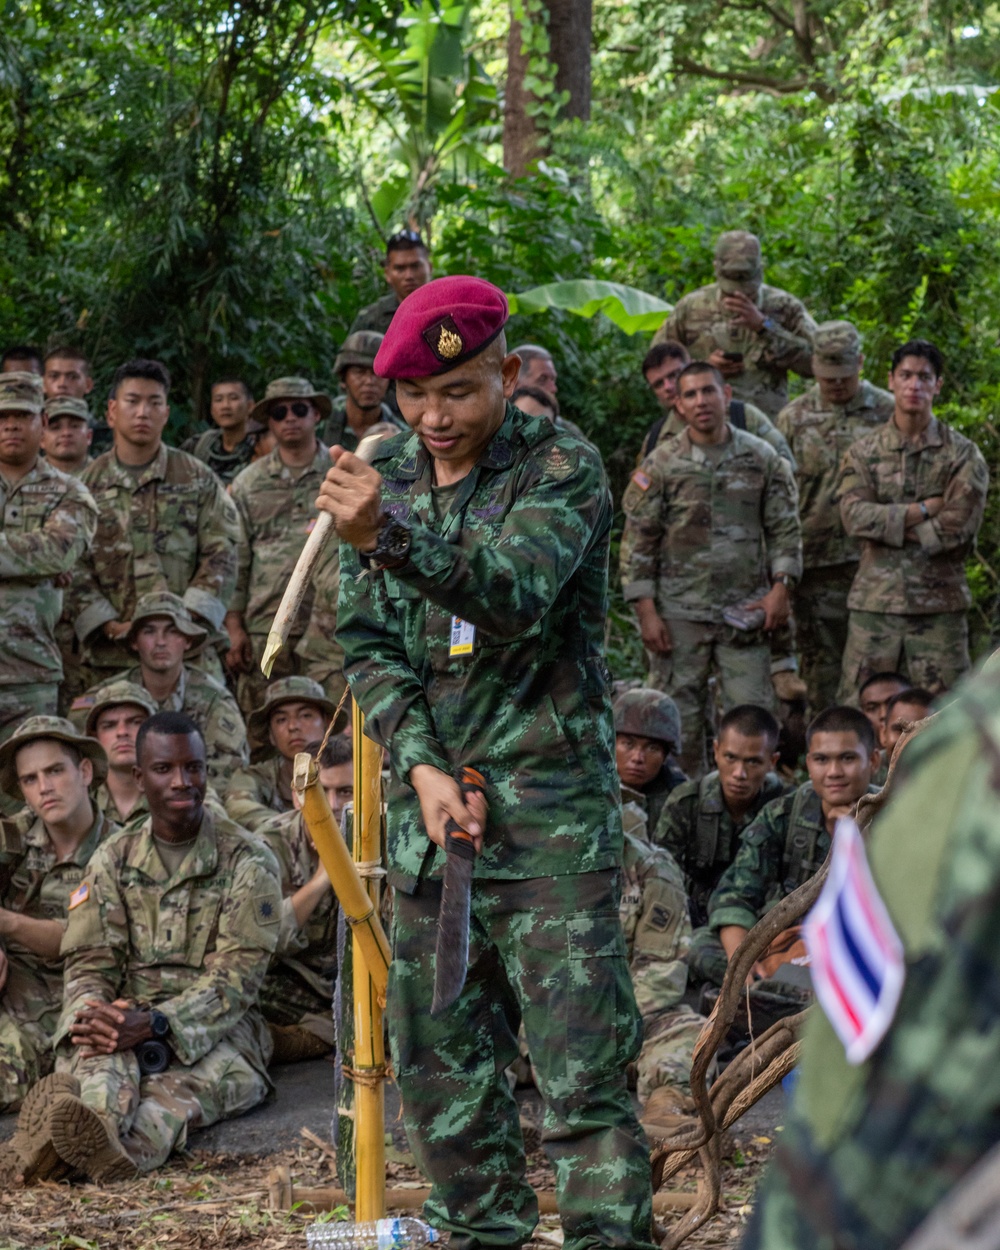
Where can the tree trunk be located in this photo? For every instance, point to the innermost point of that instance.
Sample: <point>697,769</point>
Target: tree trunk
<point>521,140</point>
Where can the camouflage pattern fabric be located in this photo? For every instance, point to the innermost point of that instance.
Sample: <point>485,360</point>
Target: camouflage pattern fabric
<point>335,430</point>
<point>33,882</point>
<point>49,522</point>
<point>884,472</point>
<point>757,423</point>
<point>17,703</point>
<point>106,804</point>
<point>652,797</point>
<point>549,952</point>
<point>209,449</point>
<point>170,527</point>
<point>521,556</point>
<point>701,835</point>
<point>931,650</point>
<point>700,321</point>
<point>868,1150</point>
<point>256,793</point>
<point>377,316</point>
<point>298,988</point>
<point>195,944</point>
<point>821,617</point>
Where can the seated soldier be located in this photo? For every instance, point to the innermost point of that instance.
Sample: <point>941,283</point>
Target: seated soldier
<point>167,944</point>
<point>297,995</point>
<point>118,710</point>
<point>647,732</point>
<point>790,838</point>
<point>873,699</point>
<point>295,711</point>
<point>902,711</point>
<point>43,856</point>
<point>163,634</point>
<point>702,821</point>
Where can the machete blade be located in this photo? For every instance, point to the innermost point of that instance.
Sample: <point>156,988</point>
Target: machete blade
<point>451,950</point>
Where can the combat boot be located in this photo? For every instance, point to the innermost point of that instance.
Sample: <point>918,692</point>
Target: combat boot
<point>294,1044</point>
<point>34,1154</point>
<point>667,1111</point>
<point>85,1140</point>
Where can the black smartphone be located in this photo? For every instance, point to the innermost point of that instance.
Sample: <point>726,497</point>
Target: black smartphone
<point>735,357</point>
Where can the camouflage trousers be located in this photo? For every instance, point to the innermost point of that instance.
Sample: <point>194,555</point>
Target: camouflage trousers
<point>153,1115</point>
<point>25,1057</point>
<point>550,952</point>
<point>741,663</point>
<point>667,1049</point>
<point>821,617</point>
<point>930,649</point>
<point>286,999</point>
<point>707,959</point>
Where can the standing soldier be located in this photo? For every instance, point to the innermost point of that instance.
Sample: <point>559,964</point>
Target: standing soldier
<point>49,521</point>
<point>820,426</point>
<point>362,405</point>
<point>165,523</point>
<point>913,491</point>
<point>229,446</point>
<point>476,638</point>
<point>407,267</point>
<point>710,551</point>
<point>752,333</point>
<point>69,432</point>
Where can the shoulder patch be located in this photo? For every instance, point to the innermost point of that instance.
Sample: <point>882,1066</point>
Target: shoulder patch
<point>83,702</point>
<point>79,895</point>
<point>559,463</point>
<point>659,917</point>
<point>642,480</point>
<point>265,910</point>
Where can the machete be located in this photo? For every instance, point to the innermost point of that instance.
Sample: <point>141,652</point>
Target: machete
<point>451,950</point>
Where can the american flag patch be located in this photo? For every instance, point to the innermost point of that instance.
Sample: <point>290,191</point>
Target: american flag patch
<point>641,480</point>
<point>79,895</point>
<point>856,954</point>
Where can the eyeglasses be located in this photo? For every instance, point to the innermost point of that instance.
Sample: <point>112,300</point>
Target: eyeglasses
<point>280,411</point>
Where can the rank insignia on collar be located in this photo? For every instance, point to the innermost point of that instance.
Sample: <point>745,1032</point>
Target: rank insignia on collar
<point>444,339</point>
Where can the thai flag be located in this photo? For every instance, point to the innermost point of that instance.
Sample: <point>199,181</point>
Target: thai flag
<point>857,957</point>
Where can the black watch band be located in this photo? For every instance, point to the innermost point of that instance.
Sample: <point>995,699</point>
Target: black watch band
<point>159,1025</point>
<point>392,550</point>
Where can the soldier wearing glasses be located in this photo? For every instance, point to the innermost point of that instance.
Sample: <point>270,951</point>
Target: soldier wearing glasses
<point>276,500</point>
<point>407,266</point>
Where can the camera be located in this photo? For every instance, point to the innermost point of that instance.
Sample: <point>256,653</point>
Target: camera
<point>154,1056</point>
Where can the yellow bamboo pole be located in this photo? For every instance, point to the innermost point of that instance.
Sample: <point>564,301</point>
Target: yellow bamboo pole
<point>369,1046</point>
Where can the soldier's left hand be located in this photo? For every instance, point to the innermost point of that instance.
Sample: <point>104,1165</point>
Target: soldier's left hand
<point>352,494</point>
<point>743,311</point>
<point>104,1028</point>
<point>776,605</point>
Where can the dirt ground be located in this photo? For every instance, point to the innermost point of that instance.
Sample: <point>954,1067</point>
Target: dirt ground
<point>216,1196</point>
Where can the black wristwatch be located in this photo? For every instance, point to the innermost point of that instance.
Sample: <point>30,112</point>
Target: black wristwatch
<point>159,1025</point>
<point>392,550</point>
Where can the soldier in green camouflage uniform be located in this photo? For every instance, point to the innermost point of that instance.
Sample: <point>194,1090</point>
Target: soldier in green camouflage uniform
<point>913,492</point>
<point>476,637</point>
<point>176,686</point>
<point>165,523</point>
<point>42,860</point>
<point>820,426</point>
<point>169,935</point>
<point>48,523</point>
<point>711,520</point>
<point>766,328</point>
<point>228,447</point>
<point>361,406</point>
<point>647,733</point>
<point>407,267</point>
<point>790,838</point>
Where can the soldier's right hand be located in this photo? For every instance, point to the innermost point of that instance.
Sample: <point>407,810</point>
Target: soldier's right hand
<point>728,368</point>
<point>654,629</point>
<point>239,657</point>
<point>441,800</point>
<point>116,629</point>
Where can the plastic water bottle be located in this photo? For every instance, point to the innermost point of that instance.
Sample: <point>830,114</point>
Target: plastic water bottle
<point>408,1233</point>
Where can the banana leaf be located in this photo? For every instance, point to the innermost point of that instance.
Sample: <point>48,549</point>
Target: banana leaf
<point>630,309</point>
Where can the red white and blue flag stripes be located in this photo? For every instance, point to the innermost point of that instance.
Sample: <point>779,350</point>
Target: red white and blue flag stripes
<point>856,955</point>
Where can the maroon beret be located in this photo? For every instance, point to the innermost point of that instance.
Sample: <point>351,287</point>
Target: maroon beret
<point>441,325</point>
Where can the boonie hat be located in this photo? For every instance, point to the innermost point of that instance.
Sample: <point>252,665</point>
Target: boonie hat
<point>163,603</point>
<point>86,708</point>
<point>287,690</point>
<point>290,388</point>
<point>57,728</point>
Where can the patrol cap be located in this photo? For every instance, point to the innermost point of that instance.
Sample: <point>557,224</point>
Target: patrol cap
<point>163,603</point>
<point>287,690</point>
<point>292,389</point>
<point>21,392</point>
<point>836,350</point>
<point>440,326</point>
<point>648,714</point>
<point>738,262</point>
<point>68,406</point>
<point>119,693</point>
<point>360,348</point>
<point>37,728</point>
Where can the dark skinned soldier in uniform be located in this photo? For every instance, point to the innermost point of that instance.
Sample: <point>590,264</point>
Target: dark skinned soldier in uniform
<point>472,612</point>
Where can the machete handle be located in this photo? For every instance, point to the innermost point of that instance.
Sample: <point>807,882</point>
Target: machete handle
<point>457,841</point>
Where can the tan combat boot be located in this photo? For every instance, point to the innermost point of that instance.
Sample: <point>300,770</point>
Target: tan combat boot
<point>293,1044</point>
<point>35,1156</point>
<point>85,1140</point>
<point>666,1112</point>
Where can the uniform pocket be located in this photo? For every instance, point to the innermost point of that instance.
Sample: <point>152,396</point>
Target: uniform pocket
<point>600,1022</point>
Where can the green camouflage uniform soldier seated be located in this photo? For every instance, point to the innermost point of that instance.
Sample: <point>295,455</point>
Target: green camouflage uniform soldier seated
<point>165,636</point>
<point>297,995</point>
<point>43,856</point>
<point>711,537</point>
<point>407,267</point>
<point>647,733</point>
<point>820,425</point>
<point>789,840</point>
<point>702,821</point>
<point>754,334</point>
<point>361,407</point>
<point>47,523</point>
<point>168,941</point>
<point>230,445</point>
<point>292,712</point>
<point>913,492</point>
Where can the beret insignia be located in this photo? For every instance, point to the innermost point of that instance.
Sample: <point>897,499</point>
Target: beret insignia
<point>444,339</point>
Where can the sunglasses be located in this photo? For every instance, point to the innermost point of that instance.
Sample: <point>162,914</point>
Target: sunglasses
<point>280,411</point>
<point>405,236</point>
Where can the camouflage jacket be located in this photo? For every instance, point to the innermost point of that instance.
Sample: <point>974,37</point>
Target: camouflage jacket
<point>882,473</point>
<point>701,323</point>
<point>697,829</point>
<point>309,951</point>
<point>208,448</point>
<point>49,520</point>
<point>34,883</point>
<point>487,648</point>
<point>170,527</point>
<point>820,435</point>
<point>755,423</point>
<point>651,799</point>
<point>256,792</point>
<point>106,804</point>
<point>335,429</point>
<point>377,316</point>
<point>701,536</point>
<point>194,945</point>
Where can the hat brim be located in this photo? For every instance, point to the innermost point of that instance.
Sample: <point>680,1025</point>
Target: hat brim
<point>90,725</point>
<point>89,748</point>
<point>259,411</point>
<point>259,720</point>
<point>195,633</point>
<point>33,410</point>
<point>835,372</point>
